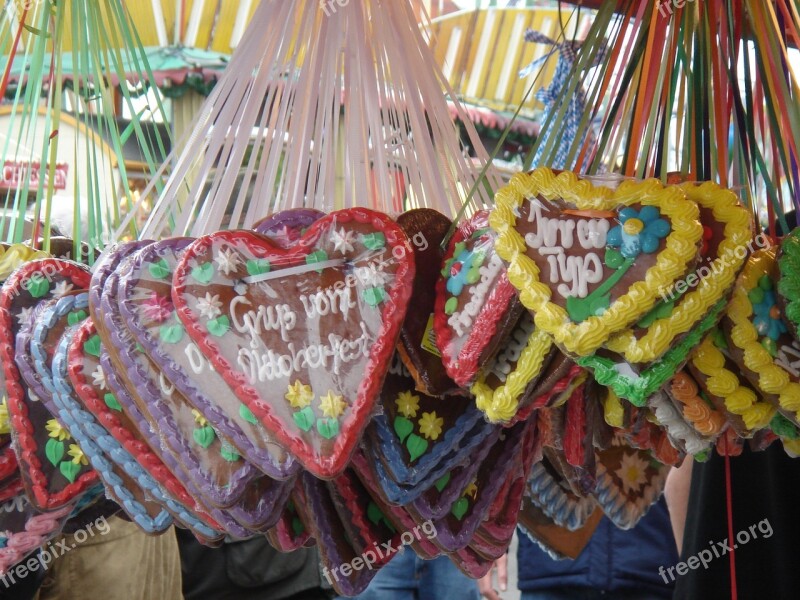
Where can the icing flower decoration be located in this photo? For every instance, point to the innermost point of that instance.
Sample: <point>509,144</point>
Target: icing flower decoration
<point>767,316</point>
<point>61,289</point>
<point>209,306</point>
<point>639,231</point>
<point>632,472</point>
<point>157,308</point>
<point>299,395</point>
<point>24,315</point>
<point>407,404</point>
<point>332,405</point>
<point>99,378</point>
<point>199,418</point>
<point>472,490</point>
<point>430,425</point>
<point>228,261</point>
<point>463,269</point>
<point>56,430</point>
<point>342,240</point>
<point>78,457</point>
<point>5,426</point>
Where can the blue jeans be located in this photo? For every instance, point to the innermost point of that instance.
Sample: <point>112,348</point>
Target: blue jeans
<point>408,577</point>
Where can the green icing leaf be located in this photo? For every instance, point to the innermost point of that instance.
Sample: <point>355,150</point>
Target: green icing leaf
<point>159,270</point>
<point>247,414</point>
<point>580,309</point>
<point>219,326</point>
<point>374,296</point>
<point>112,402</point>
<point>442,482</point>
<point>297,526</point>
<point>317,257</point>
<point>403,427</point>
<point>171,334</point>
<point>451,306</point>
<point>328,428</point>
<point>69,470</point>
<point>373,241</point>
<point>258,266</point>
<point>203,273</point>
<point>416,446</point>
<point>204,436</point>
<point>38,286</point>
<point>614,258</point>
<point>783,427</point>
<point>304,419</point>
<point>92,345</point>
<point>374,513</point>
<point>229,453</point>
<point>76,317</point>
<point>460,508</point>
<point>54,450</point>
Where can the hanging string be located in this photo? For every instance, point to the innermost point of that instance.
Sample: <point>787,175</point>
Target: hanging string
<point>729,509</point>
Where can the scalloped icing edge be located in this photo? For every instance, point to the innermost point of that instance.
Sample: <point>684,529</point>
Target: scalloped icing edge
<point>725,384</point>
<point>676,425</point>
<point>697,302</point>
<point>501,404</point>
<point>671,264</point>
<point>637,390</point>
<point>789,291</point>
<point>772,379</point>
<point>558,505</point>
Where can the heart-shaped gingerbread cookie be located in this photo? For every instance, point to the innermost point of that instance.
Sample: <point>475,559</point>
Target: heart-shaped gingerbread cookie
<point>473,289</point>
<point>588,260</point>
<point>303,335</point>
<point>54,468</point>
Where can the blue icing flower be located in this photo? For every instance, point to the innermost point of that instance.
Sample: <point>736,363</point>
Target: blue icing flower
<point>767,319</point>
<point>638,231</point>
<point>463,268</point>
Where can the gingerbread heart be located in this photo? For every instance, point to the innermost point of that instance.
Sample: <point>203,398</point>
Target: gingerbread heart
<point>144,309</point>
<point>557,500</point>
<point>121,485</point>
<point>467,512</point>
<point>54,468</point>
<point>759,340</point>
<point>336,549</point>
<point>416,432</point>
<point>145,296</point>
<point>473,288</point>
<point>590,261</point>
<point>512,376</point>
<point>629,481</point>
<point>286,227</point>
<point>426,228</point>
<point>303,335</point>
<point>116,436</point>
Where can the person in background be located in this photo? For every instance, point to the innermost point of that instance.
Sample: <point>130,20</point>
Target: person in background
<point>408,577</point>
<point>615,565</point>
<point>249,570</point>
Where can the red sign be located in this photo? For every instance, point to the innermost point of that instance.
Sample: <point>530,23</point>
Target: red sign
<point>15,173</point>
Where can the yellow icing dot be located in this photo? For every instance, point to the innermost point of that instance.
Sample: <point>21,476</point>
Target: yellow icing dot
<point>299,394</point>
<point>633,226</point>
<point>332,405</point>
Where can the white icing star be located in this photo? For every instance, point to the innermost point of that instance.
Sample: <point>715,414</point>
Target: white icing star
<point>62,288</point>
<point>342,240</point>
<point>99,377</point>
<point>24,315</point>
<point>372,276</point>
<point>227,261</point>
<point>209,306</point>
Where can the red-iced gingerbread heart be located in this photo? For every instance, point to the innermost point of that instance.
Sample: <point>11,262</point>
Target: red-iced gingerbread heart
<point>303,335</point>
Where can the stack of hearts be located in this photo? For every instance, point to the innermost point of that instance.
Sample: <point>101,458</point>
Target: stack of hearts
<point>363,383</point>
